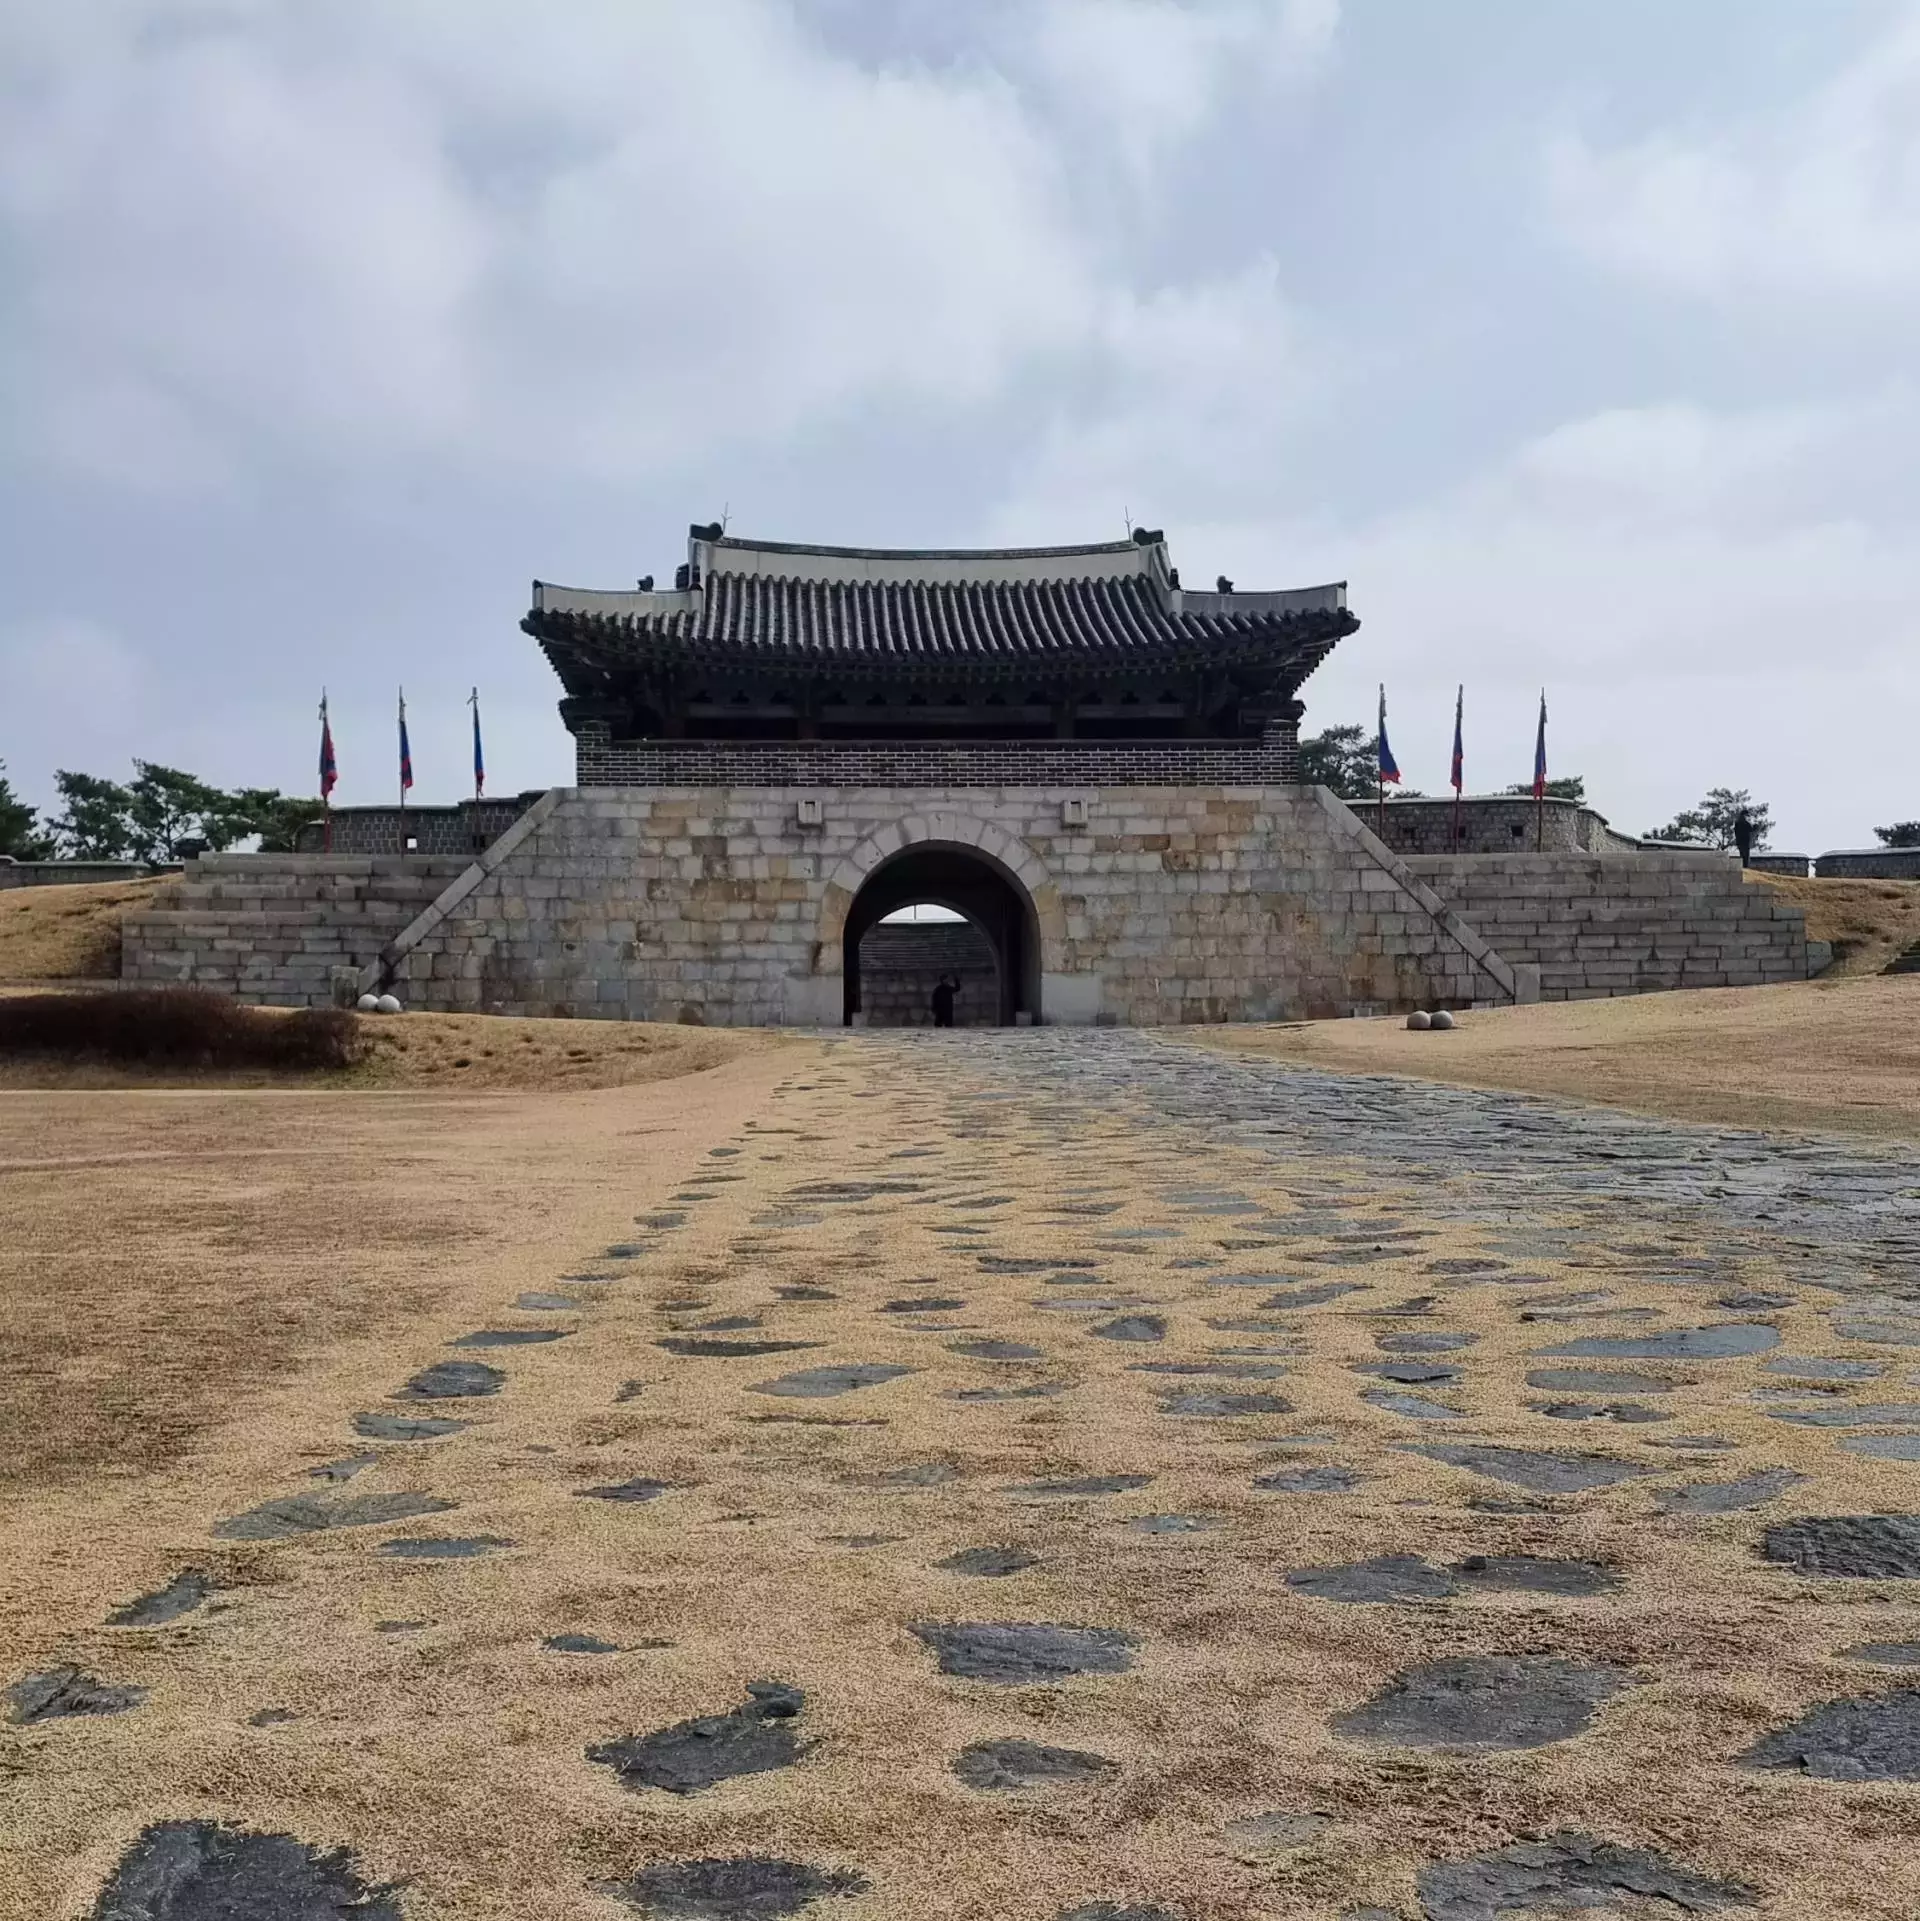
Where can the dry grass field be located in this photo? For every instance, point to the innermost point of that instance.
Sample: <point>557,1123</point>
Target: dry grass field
<point>1828,1054</point>
<point>69,933</point>
<point>464,1052</point>
<point>1868,922</point>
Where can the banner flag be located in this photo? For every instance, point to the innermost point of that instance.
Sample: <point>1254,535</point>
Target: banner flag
<point>479,759</point>
<point>1389,767</point>
<point>1459,742</point>
<point>406,752</point>
<point>329,768</point>
<point>1540,752</point>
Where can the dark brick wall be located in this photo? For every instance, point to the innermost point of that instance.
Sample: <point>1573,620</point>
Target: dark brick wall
<point>464,829</point>
<point>1492,824</point>
<point>931,764</point>
<point>1870,863</point>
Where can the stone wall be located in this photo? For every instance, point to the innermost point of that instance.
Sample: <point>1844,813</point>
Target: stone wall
<point>273,927</point>
<point>461,829</point>
<point>1494,824</point>
<point>902,961</point>
<point>75,873</point>
<point>1870,863</point>
<point>1165,904</point>
<point>1596,927</point>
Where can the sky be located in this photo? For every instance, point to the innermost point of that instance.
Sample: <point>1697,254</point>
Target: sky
<point>1578,339</point>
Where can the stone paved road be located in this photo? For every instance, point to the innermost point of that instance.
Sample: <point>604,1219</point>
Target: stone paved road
<point>1070,1475</point>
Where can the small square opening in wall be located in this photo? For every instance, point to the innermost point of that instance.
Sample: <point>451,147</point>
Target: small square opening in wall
<point>812,811</point>
<point>413,843</point>
<point>1073,813</point>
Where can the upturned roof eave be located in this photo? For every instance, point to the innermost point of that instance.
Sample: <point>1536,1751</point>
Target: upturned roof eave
<point>1290,643</point>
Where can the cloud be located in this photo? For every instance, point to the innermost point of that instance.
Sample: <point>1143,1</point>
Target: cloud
<point>1147,75</point>
<point>1707,596</point>
<point>1821,203</point>
<point>1181,395</point>
<point>590,236</point>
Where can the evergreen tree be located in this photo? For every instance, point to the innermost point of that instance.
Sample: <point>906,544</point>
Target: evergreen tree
<point>1567,787</point>
<point>167,806</point>
<point>1710,824</point>
<point>96,822</point>
<point>21,834</point>
<point>1903,833</point>
<point>274,817</point>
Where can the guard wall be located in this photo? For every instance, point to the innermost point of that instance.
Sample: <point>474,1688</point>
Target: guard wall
<point>77,873</point>
<point>1870,863</point>
<point>1494,824</point>
<point>1596,927</point>
<point>465,828</point>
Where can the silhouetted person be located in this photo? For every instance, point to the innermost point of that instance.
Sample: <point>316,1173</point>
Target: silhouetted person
<point>943,997</point>
<point>1743,835</point>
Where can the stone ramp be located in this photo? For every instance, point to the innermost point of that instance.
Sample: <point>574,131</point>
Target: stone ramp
<point>272,928</point>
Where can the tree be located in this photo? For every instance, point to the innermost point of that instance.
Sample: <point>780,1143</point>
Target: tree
<point>168,806</point>
<point>1343,758</point>
<point>21,834</point>
<point>1567,787</point>
<point>1711,823</point>
<point>1903,833</point>
<point>97,822</point>
<point>274,817</point>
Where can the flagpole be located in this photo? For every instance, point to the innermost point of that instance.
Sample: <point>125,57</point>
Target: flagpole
<point>403,776</point>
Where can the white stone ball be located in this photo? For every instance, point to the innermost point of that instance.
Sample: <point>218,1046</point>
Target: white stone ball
<point>390,1004</point>
<point>1418,1021</point>
<point>368,1003</point>
<point>1443,1021</point>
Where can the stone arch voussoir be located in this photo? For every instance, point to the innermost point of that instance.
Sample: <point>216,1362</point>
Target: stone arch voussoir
<point>943,828</point>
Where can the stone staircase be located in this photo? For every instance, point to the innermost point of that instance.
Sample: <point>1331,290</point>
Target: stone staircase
<point>273,928</point>
<point>1905,962</point>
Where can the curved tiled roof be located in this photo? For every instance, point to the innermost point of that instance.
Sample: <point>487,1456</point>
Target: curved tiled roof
<point>935,629</point>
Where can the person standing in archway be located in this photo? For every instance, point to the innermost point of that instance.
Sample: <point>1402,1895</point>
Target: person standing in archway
<point>944,992</point>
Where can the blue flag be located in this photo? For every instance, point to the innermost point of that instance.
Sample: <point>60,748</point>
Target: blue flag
<point>406,752</point>
<point>1540,752</point>
<point>1389,767</point>
<point>1459,742</point>
<point>479,759</point>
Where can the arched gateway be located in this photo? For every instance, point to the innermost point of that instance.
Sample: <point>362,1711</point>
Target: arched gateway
<point>999,918</point>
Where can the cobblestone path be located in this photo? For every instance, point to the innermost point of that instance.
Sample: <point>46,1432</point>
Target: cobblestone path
<point>1069,1476</point>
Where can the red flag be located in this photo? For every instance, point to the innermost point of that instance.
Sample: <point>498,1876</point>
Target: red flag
<point>329,768</point>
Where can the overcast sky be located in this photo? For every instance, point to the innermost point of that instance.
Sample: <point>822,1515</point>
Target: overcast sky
<point>1578,337</point>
